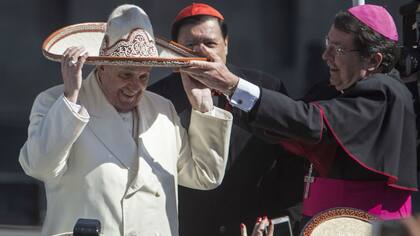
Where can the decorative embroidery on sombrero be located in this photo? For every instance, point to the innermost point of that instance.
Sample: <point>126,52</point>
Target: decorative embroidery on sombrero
<point>138,44</point>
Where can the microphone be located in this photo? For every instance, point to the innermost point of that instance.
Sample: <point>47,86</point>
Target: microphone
<point>87,227</point>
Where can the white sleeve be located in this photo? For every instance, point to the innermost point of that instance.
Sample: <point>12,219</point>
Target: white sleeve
<point>245,95</point>
<point>77,109</point>
<point>205,149</point>
<point>54,127</point>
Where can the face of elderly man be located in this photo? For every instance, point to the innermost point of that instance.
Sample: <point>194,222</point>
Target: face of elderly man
<point>343,58</point>
<point>207,33</point>
<point>123,86</point>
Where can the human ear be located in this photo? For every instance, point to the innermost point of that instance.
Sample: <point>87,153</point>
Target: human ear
<point>375,61</point>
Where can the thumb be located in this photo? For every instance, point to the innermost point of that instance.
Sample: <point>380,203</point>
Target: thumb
<point>243,230</point>
<point>210,54</point>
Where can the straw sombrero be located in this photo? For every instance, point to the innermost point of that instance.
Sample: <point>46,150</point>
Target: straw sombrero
<point>340,221</point>
<point>126,39</point>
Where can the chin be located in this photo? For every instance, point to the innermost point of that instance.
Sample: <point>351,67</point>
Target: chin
<point>129,102</point>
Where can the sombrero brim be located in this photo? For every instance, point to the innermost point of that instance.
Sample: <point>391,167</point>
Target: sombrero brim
<point>90,35</point>
<point>340,220</point>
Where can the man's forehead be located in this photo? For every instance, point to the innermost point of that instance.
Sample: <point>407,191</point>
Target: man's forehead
<point>133,68</point>
<point>336,36</point>
<point>208,29</point>
<point>208,23</point>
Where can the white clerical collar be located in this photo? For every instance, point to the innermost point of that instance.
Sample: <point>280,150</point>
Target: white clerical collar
<point>131,121</point>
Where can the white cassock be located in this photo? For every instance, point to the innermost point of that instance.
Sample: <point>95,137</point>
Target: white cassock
<point>92,167</point>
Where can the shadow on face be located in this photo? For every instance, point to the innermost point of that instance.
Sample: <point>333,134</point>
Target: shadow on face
<point>206,33</point>
<point>123,86</point>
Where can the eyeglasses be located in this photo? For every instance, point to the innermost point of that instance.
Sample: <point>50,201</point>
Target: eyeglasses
<point>338,49</point>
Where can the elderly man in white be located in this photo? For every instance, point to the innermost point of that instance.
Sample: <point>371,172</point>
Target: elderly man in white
<point>109,150</point>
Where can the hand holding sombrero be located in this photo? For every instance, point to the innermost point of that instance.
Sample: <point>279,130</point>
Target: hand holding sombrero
<point>126,39</point>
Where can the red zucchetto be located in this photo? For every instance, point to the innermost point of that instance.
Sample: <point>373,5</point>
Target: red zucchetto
<point>198,9</point>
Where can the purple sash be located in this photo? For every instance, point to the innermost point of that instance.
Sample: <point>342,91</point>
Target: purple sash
<point>374,197</point>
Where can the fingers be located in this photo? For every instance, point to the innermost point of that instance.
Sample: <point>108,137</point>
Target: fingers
<point>71,70</point>
<point>196,74</point>
<point>261,227</point>
<point>65,58</point>
<point>82,59</point>
<point>203,65</point>
<point>270,228</point>
<point>258,229</point>
<point>210,54</point>
<point>243,230</point>
<point>201,69</point>
<point>74,57</point>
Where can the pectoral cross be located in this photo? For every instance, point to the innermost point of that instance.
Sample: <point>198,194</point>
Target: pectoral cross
<point>308,179</point>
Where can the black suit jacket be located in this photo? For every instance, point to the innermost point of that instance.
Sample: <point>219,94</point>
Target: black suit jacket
<point>261,179</point>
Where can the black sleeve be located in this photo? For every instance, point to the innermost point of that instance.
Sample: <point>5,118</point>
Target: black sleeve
<point>279,116</point>
<point>261,79</point>
<point>270,82</point>
<point>322,90</point>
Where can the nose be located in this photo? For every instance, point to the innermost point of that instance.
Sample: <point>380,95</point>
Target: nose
<point>327,54</point>
<point>197,48</point>
<point>137,84</point>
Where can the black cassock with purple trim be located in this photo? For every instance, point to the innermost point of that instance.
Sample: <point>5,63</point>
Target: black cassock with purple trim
<point>365,134</point>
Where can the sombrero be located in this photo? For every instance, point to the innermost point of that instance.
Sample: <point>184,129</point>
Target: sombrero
<point>340,221</point>
<point>126,39</point>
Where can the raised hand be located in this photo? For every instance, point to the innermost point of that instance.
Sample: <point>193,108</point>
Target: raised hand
<point>263,227</point>
<point>71,70</point>
<point>198,94</point>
